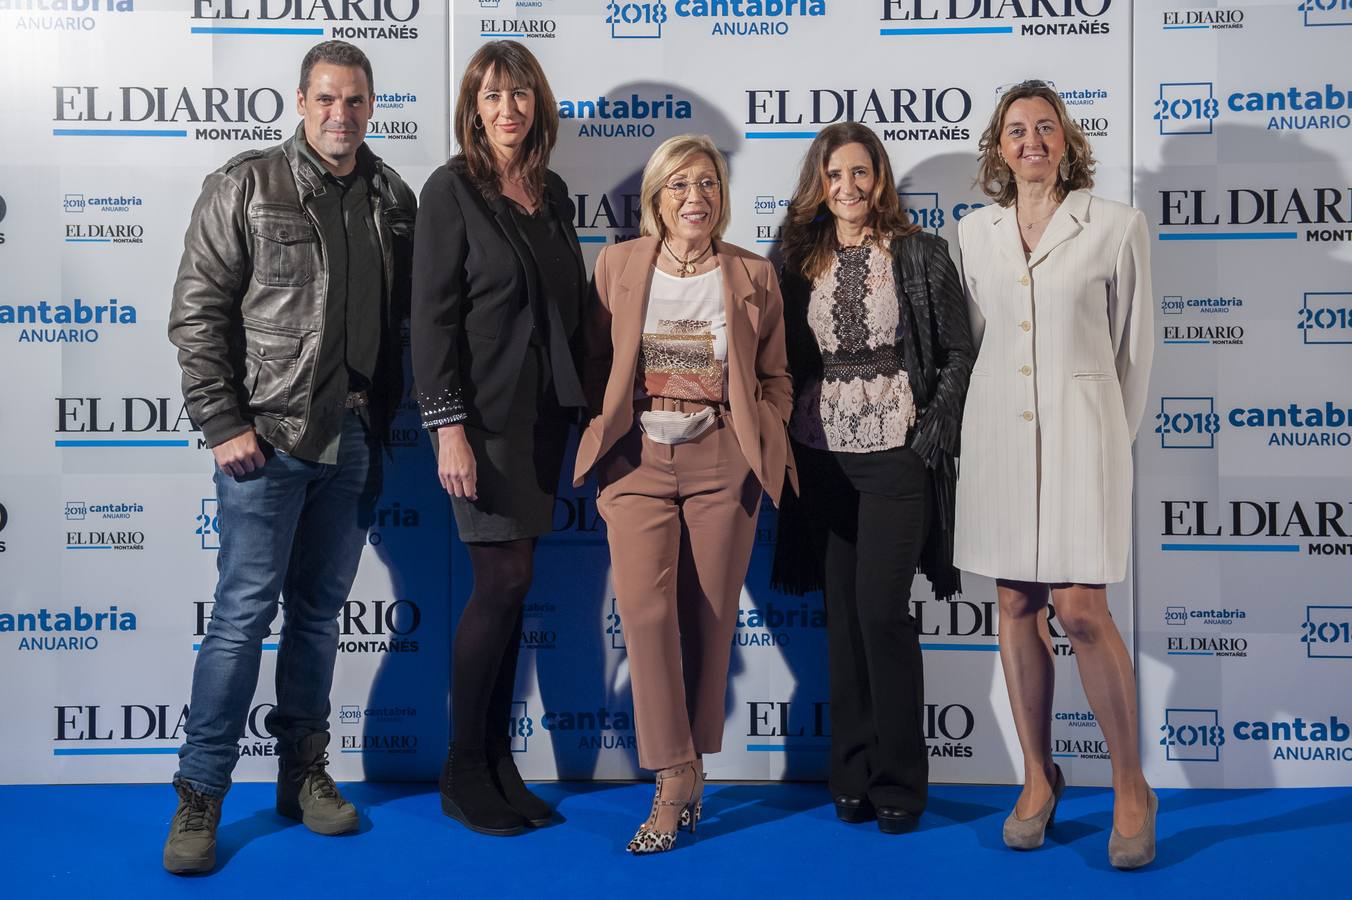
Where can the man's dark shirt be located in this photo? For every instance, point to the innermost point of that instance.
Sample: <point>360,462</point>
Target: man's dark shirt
<point>352,312</point>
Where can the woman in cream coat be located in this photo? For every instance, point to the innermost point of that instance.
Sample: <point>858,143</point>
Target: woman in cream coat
<point>1058,287</point>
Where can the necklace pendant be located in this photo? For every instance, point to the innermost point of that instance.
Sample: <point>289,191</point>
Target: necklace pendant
<point>688,269</point>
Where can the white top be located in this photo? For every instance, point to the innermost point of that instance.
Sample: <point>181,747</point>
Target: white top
<point>863,401</point>
<point>684,349</point>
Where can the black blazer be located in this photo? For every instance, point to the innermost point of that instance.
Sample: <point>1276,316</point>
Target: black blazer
<point>475,283</point>
<point>937,349</point>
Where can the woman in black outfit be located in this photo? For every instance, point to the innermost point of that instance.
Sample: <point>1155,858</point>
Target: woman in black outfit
<point>497,293</point>
<point>880,350</point>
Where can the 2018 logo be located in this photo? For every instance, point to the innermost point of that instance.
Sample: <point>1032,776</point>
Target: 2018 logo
<point>1192,735</point>
<point>767,205</point>
<point>1327,632</point>
<point>614,629</point>
<point>1189,423</point>
<point>1326,317</point>
<point>209,524</point>
<point>520,727</point>
<point>1188,107</point>
<point>1320,13</point>
<point>641,21</point>
<point>925,209</point>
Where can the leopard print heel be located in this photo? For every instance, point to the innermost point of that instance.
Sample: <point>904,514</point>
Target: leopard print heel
<point>649,838</point>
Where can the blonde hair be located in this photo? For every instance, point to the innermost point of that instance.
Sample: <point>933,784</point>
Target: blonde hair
<point>668,159</point>
<point>993,174</point>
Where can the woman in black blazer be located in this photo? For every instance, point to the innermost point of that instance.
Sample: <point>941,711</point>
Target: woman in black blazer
<point>880,351</point>
<point>498,283</point>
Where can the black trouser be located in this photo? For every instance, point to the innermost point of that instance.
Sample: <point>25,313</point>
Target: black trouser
<point>878,515</point>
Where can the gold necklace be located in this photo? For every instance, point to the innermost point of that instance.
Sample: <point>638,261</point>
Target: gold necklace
<point>1029,226</point>
<point>686,266</point>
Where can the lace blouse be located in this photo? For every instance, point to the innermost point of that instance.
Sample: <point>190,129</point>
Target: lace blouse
<point>863,402</point>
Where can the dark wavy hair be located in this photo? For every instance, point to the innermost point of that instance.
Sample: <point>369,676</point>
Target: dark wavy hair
<point>993,175</point>
<point>810,235</point>
<point>511,65</point>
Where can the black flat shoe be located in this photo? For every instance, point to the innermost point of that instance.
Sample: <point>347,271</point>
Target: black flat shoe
<point>853,809</point>
<point>894,820</point>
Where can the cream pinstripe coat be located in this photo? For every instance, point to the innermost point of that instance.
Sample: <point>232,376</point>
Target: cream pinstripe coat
<point>1065,345</point>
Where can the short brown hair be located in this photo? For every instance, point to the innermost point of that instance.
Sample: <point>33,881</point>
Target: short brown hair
<point>666,160</point>
<point>993,175</point>
<point>810,235</point>
<point>512,64</point>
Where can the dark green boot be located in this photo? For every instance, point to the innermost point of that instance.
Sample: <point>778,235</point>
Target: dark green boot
<point>191,845</point>
<point>306,793</point>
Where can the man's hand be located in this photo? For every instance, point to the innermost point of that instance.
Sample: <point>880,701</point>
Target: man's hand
<point>240,455</point>
<point>455,463</point>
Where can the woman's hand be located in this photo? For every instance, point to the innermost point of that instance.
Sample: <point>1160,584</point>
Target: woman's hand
<point>455,463</point>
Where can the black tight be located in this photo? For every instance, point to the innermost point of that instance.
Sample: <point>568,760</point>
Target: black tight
<point>487,643</point>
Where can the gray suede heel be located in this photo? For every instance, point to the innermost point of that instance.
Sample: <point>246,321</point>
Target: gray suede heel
<point>1134,852</point>
<point>1028,834</point>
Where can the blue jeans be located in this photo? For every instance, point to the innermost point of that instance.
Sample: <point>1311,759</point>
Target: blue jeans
<point>296,529</point>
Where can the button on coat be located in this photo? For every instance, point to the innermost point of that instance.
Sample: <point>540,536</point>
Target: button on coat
<point>1064,350</point>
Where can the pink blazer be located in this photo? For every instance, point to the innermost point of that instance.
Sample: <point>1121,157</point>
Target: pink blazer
<point>760,392</point>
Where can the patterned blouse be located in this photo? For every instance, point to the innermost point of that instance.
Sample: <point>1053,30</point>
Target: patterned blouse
<point>863,402</point>
<point>684,349</point>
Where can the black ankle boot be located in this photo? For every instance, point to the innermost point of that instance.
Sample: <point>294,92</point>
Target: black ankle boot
<point>469,796</point>
<point>519,797</point>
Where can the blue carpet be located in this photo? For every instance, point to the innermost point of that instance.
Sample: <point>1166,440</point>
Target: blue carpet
<point>756,840</point>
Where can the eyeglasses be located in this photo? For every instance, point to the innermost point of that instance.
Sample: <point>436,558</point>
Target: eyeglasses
<point>681,189</point>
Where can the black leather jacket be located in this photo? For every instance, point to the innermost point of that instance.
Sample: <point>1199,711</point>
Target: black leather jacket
<point>937,349</point>
<point>248,307</point>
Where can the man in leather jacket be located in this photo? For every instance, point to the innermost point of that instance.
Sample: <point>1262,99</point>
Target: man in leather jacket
<point>286,313</point>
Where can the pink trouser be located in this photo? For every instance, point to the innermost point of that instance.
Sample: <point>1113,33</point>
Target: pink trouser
<point>681,520</point>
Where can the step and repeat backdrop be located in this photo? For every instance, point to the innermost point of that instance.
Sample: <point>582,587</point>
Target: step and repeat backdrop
<point>1243,165</point>
<point>117,111</point>
<point>1228,124</point>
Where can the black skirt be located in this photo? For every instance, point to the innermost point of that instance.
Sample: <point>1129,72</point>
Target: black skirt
<point>517,468</point>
